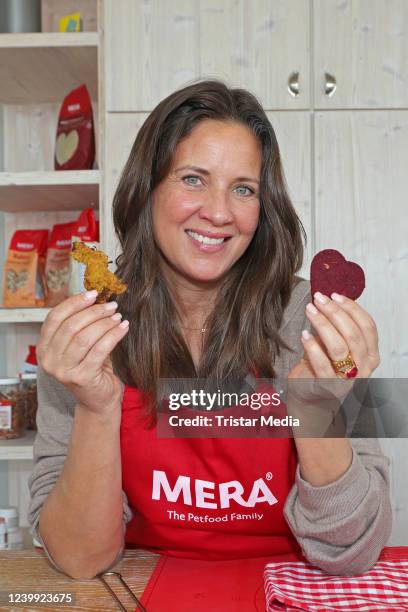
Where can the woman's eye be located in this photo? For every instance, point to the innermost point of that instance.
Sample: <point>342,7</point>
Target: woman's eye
<point>245,190</point>
<point>191,180</point>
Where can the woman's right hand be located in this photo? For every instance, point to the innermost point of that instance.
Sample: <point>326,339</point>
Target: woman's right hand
<point>76,340</point>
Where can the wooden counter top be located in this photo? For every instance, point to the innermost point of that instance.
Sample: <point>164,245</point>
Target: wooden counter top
<point>30,571</point>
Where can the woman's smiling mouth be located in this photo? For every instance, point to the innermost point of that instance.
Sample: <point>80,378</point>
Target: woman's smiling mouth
<point>208,241</point>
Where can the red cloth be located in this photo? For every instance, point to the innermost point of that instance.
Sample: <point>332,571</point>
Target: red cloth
<point>205,498</point>
<point>297,585</point>
<point>228,586</point>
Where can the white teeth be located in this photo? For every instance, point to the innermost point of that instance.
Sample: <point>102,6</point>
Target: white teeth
<point>205,239</point>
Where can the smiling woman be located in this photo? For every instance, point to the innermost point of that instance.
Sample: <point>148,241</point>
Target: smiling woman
<point>208,239</point>
<point>211,247</point>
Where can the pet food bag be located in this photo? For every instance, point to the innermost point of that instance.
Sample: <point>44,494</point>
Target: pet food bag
<point>24,279</point>
<point>75,145</point>
<point>85,230</point>
<point>57,263</point>
<point>30,364</point>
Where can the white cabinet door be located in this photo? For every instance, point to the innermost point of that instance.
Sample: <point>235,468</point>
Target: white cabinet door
<point>293,134</point>
<point>397,451</point>
<point>153,47</point>
<point>258,44</point>
<point>361,209</point>
<point>120,132</point>
<point>363,45</point>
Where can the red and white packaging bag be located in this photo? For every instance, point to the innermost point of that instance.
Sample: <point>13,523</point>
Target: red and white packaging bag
<point>24,279</point>
<point>57,263</point>
<point>75,143</point>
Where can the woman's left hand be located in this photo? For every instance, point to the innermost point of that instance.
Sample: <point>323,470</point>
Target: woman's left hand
<point>343,327</point>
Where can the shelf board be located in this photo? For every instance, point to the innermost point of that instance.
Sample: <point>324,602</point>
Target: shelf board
<point>18,448</point>
<point>53,190</point>
<point>23,315</point>
<point>45,67</point>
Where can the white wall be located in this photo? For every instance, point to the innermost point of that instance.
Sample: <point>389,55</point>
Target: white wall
<point>3,464</point>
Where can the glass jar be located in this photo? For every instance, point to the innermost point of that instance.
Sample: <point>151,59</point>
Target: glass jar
<point>11,409</point>
<point>14,533</point>
<point>10,515</point>
<point>29,399</point>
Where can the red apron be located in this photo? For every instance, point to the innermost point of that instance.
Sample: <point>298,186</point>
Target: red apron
<point>205,498</point>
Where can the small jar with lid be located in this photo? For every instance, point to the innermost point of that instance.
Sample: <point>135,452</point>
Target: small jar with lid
<point>29,398</point>
<point>11,409</point>
<point>14,534</point>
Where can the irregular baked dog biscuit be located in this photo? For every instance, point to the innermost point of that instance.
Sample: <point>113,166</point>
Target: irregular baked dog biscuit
<point>97,275</point>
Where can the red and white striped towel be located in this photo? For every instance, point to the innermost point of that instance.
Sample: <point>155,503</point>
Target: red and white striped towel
<point>293,586</point>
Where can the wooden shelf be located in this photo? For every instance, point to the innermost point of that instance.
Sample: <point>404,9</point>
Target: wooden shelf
<point>18,448</point>
<point>45,191</point>
<point>45,67</point>
<point>23,315</point>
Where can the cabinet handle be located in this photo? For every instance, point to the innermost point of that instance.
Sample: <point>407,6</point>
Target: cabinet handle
<point>293,84</point>
<point>330,85</point>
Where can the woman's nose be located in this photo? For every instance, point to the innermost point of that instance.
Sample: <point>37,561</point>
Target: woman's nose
<point>216,208</point>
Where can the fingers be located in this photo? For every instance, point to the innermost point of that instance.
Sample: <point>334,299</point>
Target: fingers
<point>101,350</point>
<point>59,313</point>
<point>338,330</point>
<point>83,341</point>
<point>317,356</point>
<point>73,329</point>
<point>329,385</point>
<point>366,324</point>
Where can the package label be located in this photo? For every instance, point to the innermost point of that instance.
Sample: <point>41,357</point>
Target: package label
<point>5,416</point>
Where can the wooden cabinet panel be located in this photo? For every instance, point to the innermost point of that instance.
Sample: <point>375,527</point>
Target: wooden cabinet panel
<point>257,44</point>
<point>154,47</point>
<point>396,450</point>
<point>32,129</point>
<point>120,133</point>
<point>293,132</point>
<point>151,48</point>
<point>293,135</point>
<point>361,187</point>
<point>362,43</point>
<point>53,10</point>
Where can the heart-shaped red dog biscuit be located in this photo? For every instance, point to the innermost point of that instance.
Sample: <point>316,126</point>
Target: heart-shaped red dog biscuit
<point>331,272</point>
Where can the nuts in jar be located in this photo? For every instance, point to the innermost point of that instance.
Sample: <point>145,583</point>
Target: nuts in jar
<point>11,409</point>
<point>29,398</point>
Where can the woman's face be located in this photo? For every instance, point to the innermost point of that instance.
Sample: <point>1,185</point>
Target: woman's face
<point>206,210</point>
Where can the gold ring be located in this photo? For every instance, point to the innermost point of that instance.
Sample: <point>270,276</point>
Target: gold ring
<point>345,366</point>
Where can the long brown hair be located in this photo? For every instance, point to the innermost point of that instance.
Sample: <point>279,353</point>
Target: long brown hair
<point>242,330</point>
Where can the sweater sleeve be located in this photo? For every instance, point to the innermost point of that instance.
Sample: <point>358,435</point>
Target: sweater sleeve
<point>55,415</point>
<point>343,526</point>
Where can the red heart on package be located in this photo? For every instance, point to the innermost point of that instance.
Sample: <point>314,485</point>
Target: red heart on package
<point>331,272</point>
